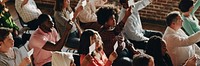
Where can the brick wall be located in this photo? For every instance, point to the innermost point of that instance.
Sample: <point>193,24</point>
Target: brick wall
<point>155,12</point>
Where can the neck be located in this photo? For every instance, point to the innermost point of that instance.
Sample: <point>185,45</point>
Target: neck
<point>4,50</point>
<point>173,27</point>
<point>43,29</point>
<point>186,14</point>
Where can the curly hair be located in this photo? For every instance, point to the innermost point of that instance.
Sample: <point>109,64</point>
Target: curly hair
<point>105,12</point>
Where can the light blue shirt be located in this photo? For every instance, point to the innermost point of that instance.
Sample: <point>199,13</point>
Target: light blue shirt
<point>133,27</point>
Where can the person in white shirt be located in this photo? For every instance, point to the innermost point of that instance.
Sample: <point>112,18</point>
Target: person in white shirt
<point>29,12</point>
<point>87,17</point>
<point>180,46</point>
<point>133,28</point>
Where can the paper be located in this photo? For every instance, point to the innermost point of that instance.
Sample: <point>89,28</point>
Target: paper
<point>92,48</point>
<point>30,52</point>
<point>71,15</point>
<point>84,3</point>
<point>115,46</point>
<point>131,3</point>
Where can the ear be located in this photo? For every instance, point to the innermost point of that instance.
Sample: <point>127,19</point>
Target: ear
<point>1,43</point>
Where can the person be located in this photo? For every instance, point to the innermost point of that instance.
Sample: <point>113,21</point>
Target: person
<point>97,57</point>
<point>180,46</point>
<point>124,61</point>
<point>62,59</point>
<point>62,16</point>
<point>29,12</point>
<point>111,33</point>
<point>156,47</point>
<point>46,39</point>
<point>87,17</point>
<point>190,21</point>
<point>143,60</point>
<point>9,55</point>
<point>133,30</point>
<point>7,21</point>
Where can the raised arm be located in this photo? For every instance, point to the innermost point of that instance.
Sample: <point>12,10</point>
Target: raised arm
<point>58,46</point>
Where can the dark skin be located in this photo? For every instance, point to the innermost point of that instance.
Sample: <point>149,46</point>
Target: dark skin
<point>50,46</point>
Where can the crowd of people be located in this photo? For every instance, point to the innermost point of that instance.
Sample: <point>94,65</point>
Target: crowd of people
<point>101,34</point>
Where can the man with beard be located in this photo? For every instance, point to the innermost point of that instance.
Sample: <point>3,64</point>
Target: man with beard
<point>46,39</point>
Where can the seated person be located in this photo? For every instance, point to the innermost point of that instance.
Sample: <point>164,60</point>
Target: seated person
<point>180,46</point>
<point>46,39</point>
<point>97,57</point>
<point>29,12</point>
<point>133,30</point>
<point>111,32</point>
<point>9,55</point>
<point>62,16</point>
<point>156,47</point>
<point>7,21</point>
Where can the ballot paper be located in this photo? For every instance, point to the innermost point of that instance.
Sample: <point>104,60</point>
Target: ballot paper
<point>71,15</point>
<point>115,46</point>
<point>92,48</point>
<point>30,52</point>
<point>131,3</point>
<point>84,3</point>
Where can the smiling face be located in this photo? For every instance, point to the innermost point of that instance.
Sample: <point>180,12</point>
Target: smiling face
<point>48,25</point>
<point>97,40</point>
<point>66,3</point>
<point>8,42</point>
<point>111,22</point>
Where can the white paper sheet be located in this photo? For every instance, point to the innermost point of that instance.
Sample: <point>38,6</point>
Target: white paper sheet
<point>84,3</point>
<point>115,46</point>
<point>30,52</point>
<point>71,15</point>
<point>92,48</point>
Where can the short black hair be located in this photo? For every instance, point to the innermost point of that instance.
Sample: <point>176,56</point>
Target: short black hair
<point>171,17</point>
<point>141,59</point>
<point>185,5</point>
<point>42,18</point>
<point>123,1</point>
<point>4,32</point>
<point>105,12</point>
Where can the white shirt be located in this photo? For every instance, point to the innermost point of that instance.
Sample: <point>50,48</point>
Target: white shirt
<point>133,27</point>
<point>88,13</point>
<point>29,11</point>
<point>180,46</point>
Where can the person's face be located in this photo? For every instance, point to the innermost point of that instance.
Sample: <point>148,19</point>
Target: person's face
<point>151,62</point>
<point>4,1</point>
<point>163,47</point>
<point>125,5</point>
<point>66,3</point>
<point>8,42</point>
<point>48,25</point>
<point>178,22</point>
<point>111,22</point>
<point>97,40</point>
<point>191,8</point>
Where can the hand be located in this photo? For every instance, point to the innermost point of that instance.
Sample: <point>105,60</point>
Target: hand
<point>191,61</point>
<point>87,60</point>
<point>113,56</point>
<point>25,61</point>
<point>127,14</point>
<point>69,25</point>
